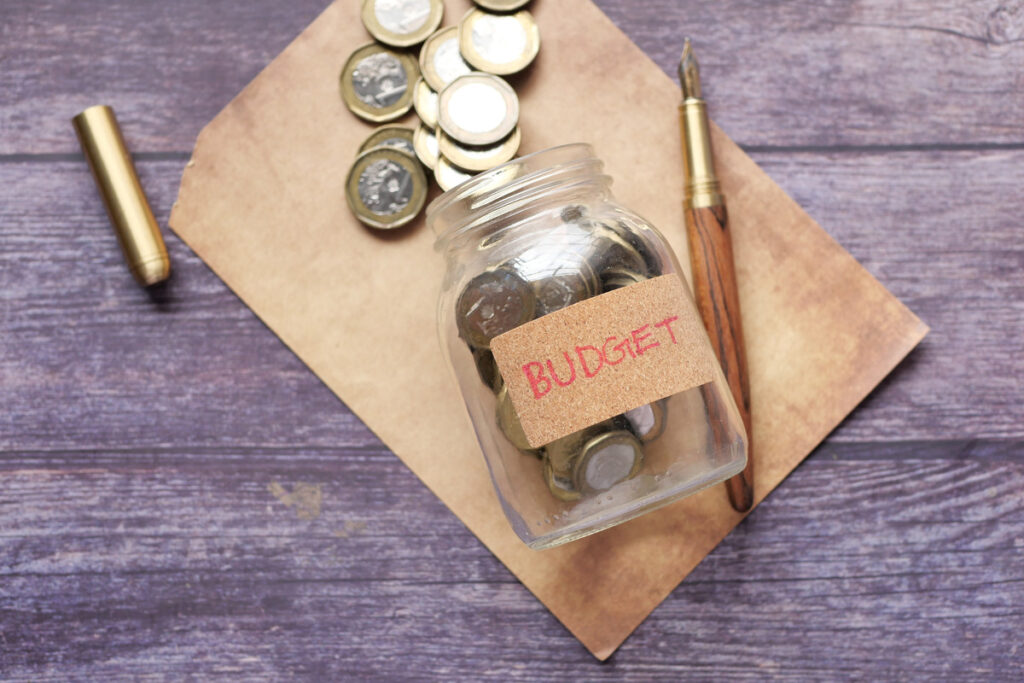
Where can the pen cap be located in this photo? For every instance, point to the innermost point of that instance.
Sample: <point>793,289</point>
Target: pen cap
<point>130,215</point>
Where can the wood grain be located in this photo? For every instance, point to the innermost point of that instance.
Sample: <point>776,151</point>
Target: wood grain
<point>718,300</point>
<point>138,436</point>
<point>804,73</point>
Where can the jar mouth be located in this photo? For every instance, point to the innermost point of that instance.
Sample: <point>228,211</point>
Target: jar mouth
<point>509,186</point>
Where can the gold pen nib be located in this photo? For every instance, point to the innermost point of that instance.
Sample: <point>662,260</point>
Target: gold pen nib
<point>689,74</point>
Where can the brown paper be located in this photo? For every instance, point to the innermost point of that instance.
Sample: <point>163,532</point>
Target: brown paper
<point>603,356</point>
<point>262,203</point>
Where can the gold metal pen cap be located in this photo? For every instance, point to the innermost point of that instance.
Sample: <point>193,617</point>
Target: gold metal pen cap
<point>112,168</point>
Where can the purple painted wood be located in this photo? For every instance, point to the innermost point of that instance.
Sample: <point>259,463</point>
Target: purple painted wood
<point>181,497</point>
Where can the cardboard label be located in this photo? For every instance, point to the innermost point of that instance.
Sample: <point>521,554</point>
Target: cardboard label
<point>603,356</point>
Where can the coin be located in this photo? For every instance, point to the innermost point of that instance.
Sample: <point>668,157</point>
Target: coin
<point>375,82</point>
<point>639,242</point>
<point>482,158</point>
<point>397,137</point>
<point>402,23</point>
<point>607,460</point>
<point>558,268</point>
<point>386,188</point>
<point>502,5</point>
<point>487,368</point>
<point>448,175</point>
<point>498,43</point>
<point>425,143</point>
<point>424,99</point>
<point>440,59</point>
<point>647,421</point>
<point>478,109</point>
<point>611,255</point>
<point>617,278</point>
<point>494,302</point>
<point>561,486</point>
<point>508,421</point>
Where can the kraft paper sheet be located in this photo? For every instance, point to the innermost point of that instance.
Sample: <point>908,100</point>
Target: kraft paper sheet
<point>262,203</point>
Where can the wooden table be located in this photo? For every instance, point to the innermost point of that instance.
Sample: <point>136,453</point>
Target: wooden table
<point>180,496</point>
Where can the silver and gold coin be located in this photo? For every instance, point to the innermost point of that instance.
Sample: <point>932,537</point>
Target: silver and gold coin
<point>502,5</point>
<point>508,421</point>
<point>478,109</point>
<point>617,278</point>
<point>396,137</point>
<point>424,100</point>
<point>647,421</point>
<point>560,485</point>
<point>449,175</point>
<point>424,141</point>
<point>487,368</point>
<point>386,188</point>
<point>479,158</point>
<point>440,59</point>
<point>402,23</point>
<point>607,460</point>
<point>498,43</point>
<point>376,82</point>
<point>492,303</point>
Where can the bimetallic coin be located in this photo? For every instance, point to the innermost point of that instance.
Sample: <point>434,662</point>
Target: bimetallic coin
<point>448,175</point>
<point>607,460</point>
<point>402,23</point>
<point>478,109</point>
<point>564,287</point>
<point>487,368</point>
<point>498,43</point>
<point>617,278</point>
<point>425,142</point>
<point>396,137</point>
<point>493,302</point>
<point>561,486</point>
<point>479,158</point>
<point>440,59</point>
<point>376,82</point>
<point>425,101</point>
<point>386,188</point>
<point>508,421</point>
<point>639,242</point>
<point>610,254</point>
<point>502,5</point>
<point>647,421</point>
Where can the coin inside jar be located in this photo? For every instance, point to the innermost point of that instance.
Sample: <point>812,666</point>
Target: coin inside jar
<point>478,109</point>
<point>647,421</point>
<point>448,175</point>
<point>487,368</point>
<point>424,100</point>
<point>607,460</point>
<point>635,239</point>
<point>425,143</point>
<point>376,82</point>
<point>499,43</point>
<point>563,288</point>
<point>396,137</point>
<point>493,302</point>
<point>479,158</point>
<point>561,486</point>
<point>440,59</point>
<point>508,421</point>
<point>609,253</point>
<point>617,278</point>
<point>386,188</point>
<point>402,23</point>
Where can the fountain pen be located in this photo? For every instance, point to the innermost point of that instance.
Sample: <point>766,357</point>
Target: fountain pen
<point>714,282</point>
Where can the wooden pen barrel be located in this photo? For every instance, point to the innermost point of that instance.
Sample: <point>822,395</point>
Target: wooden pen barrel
<point>717,299</point>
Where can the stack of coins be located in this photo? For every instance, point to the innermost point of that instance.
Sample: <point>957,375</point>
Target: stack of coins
<point>577,259</point>
<point>469,115</point>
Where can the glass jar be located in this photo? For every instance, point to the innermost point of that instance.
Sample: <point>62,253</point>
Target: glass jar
<point>611,403</point>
